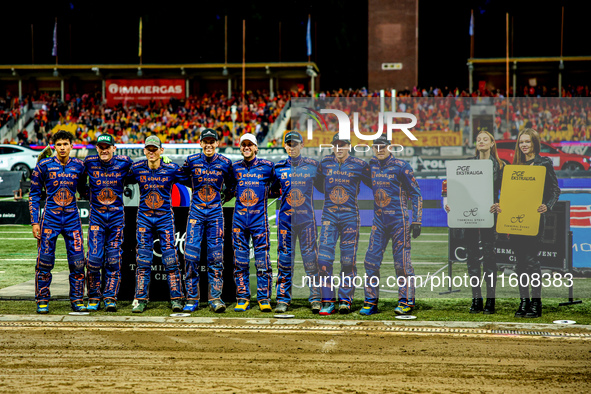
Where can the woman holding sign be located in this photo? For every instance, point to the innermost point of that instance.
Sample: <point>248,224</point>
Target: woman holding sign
<point>486,149</point>
<point>526,248</point>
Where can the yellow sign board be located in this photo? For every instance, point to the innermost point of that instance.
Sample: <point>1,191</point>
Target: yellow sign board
<point>521,195</point>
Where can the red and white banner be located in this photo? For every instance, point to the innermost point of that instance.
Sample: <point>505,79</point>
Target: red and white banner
<point>143,90</point>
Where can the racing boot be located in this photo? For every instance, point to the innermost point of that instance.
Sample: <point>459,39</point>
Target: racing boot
<point>265,306</point>
<point>344,308</point>
<point>328,308</point>
<point>242,305</point>
<point>78,306</point>
<point>368,309</point>
<point>110,305</point>
<point>316,306</point>
<point>177,305</point>
<point>93,305</point>
<point>139,306</point>
<point>217,306</point>
<point>403,309</point>
<point>191,306</point>
<point>42,308</point>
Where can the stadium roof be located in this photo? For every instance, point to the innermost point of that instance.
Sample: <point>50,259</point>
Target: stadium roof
<point>209,71</point>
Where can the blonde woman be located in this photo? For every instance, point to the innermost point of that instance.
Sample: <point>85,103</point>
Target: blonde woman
<point>486,149</point>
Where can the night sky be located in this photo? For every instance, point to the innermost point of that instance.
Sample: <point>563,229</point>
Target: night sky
<point>106,32</point>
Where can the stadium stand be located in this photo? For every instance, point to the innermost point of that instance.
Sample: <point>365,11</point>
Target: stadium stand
<point>182,121</point>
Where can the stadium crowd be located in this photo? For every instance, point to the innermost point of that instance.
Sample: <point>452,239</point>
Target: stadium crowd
<point>182,121</point>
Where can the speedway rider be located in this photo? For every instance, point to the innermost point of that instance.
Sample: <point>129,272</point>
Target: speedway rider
<point>209,173</point>
<point>393,182</point>
<point>106,176</point>
<point>296,177</point>
<point>156,179</point>
<point>342,175</point>
<point>254,178</point>
<point>60,176</point>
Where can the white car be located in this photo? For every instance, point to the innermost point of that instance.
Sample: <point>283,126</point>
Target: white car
<point>18,158</point>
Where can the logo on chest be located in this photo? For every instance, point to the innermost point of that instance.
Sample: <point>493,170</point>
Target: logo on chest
<point>248,198</point>
<point>382,199</point>
<point>207,193</point>
<point>339,195</point>
<point>295,198</point>
<point>107,196</point>
<point>154,201</point>
<point>63,197</point>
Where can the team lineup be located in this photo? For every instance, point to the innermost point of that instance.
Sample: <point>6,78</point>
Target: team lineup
<point>215,180</point>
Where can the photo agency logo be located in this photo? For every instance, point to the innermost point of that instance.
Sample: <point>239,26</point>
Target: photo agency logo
<point>317,122</point>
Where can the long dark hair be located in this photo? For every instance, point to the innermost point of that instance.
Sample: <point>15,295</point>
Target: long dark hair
<point>519,157</point>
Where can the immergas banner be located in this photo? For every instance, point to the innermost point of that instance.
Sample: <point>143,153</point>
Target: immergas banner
<point>470,193</point>
<point>143,90</point>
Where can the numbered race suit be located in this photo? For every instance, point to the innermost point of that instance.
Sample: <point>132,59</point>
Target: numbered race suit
<point>155,216</point>
<point>340,218</point>
<point>208,178</point>
<point>296,178</point>
<point>253,182</point>
<point>107,219</point>
<point>59,217</point>
<point>393,183</point>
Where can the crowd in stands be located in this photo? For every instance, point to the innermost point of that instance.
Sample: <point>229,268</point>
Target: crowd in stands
<point>9,110</point>
<point>182,121</point>
<point>556,120</point>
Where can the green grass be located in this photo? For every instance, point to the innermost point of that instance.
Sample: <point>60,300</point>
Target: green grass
<point>426,310</point>
<point>428,259</point>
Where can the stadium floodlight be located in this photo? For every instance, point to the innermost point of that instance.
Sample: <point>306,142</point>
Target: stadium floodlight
<point>225,72</point>
<point>14,74</point>
<point>561,65</point>
<point>139,72</point>
<point>183,71</point>
<point>310,72</point>
<point>267,70</point>
<point>96,71</point>
<point>55,72</point>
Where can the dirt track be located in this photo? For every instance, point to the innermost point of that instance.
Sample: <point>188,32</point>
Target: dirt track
<point>138,359</point>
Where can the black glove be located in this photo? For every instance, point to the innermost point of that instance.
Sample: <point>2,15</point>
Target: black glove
<point>415,228</point>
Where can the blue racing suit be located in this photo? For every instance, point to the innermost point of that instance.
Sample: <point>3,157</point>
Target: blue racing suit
<point>208,179</point>
<point>59,217</point>
<point>155,216</point>
<point>340,218</point>
<point>254,180</point>
<point>295,178</point>
<point>107,219</point>
<point>393,182</point>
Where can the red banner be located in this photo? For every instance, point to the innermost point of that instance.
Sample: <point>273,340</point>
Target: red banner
<point>143,90</point>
